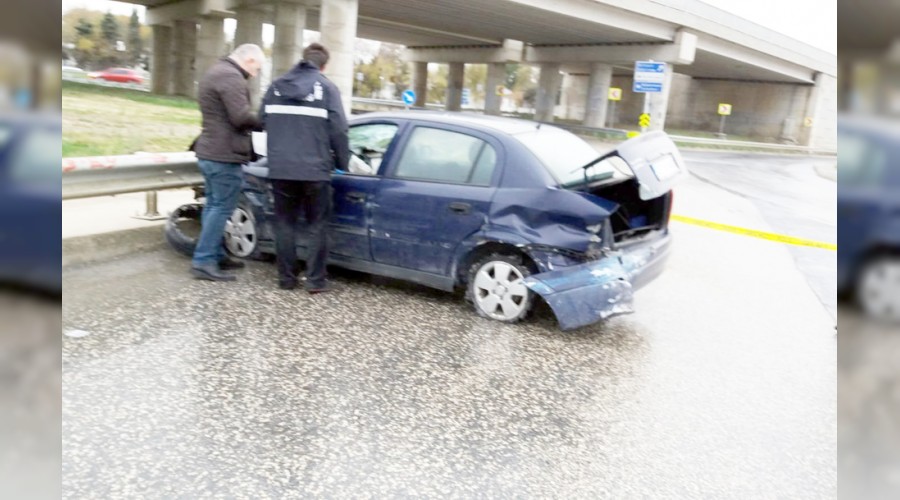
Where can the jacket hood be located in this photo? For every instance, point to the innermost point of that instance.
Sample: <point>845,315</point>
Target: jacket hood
<point>301,83</point>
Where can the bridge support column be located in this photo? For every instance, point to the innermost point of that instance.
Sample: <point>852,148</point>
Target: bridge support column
<point>420,83</point>
<point>598,94</point>
<point>454,86</point>
<point>210,44</point>
<point>290,20</point>
<point>496,76</point>
<point>161,65</point>
<point>659,102</point>
<point>548,88</point>
<point>337,23</point>
<point>249,30</point>
<point>185,49</point>
<point>821,109</point>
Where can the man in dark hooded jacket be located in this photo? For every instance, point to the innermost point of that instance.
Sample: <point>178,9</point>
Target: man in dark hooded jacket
<point>307,140</point>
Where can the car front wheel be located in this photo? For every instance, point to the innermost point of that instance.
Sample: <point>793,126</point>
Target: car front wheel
<point>878,289</point>
<point>241,233</point>
<point>496,287</point>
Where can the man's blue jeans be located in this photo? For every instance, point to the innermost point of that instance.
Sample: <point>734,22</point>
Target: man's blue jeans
<point>223,187</point>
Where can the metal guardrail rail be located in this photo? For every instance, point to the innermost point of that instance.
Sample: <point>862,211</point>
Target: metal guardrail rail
<point>111,175</point>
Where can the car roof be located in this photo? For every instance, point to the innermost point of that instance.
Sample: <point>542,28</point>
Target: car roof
<point>30,119</point>
<point>511,126</point>
<point>880,126</point>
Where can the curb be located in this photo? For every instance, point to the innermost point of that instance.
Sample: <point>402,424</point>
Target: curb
<point>105,246</point>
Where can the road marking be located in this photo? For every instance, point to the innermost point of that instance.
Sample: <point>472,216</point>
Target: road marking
<point>790,240</point>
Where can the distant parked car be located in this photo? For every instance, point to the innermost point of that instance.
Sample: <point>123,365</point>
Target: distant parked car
<point>507,210</point>
<point>869,214</point>
<point>30,210</point>
<point>118,75</point>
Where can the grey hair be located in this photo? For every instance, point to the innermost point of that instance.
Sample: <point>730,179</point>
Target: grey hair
<point>248,51</point>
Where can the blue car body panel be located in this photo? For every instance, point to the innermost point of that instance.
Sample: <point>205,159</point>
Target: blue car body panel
<point>30,250</point>
<point>584,294</point>
<point>424,231</point>
<point>868,211</point>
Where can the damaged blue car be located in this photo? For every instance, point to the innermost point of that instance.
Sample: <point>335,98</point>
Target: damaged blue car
<point>508,210</point>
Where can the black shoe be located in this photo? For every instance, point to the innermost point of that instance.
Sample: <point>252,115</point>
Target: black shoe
<point>287,284</point>
<point>210,272</point>
<point>323,288</point>
<point>228,263</point>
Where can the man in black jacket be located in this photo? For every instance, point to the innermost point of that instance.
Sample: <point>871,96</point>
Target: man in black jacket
<point>307,140</point>
<point>223,145</point>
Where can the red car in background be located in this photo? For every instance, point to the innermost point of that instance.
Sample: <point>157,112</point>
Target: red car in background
<point>118,75</point>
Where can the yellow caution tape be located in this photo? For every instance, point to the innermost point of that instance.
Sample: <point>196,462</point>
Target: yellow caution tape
<point>790,240</point>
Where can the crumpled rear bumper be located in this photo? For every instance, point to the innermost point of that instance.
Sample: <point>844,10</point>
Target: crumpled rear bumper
<point>587,293</point>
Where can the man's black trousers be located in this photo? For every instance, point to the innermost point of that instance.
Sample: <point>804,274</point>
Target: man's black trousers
<point>313,200</point>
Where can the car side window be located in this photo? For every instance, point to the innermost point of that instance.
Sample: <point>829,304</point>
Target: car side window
<point>444,156</point>
<point>368,144</point>
<point>37,158</point>
<point>860,161</point>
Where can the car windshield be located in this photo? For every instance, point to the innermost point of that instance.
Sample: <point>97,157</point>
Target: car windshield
<point>563,153</point>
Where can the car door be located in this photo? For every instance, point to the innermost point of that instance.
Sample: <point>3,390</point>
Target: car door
<point>371,145</point>
<point>436,193</point>
<point>29,204</point>
<point>862,162</point>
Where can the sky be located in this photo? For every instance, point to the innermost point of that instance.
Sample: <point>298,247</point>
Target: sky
<point>813,22</point>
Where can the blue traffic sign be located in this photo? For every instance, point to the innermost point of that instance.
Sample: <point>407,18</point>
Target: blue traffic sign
<point>466,97</point>
<point>647,87</point>
<point>649,67</point>
<point>649,76</point>
<point>409,97</point>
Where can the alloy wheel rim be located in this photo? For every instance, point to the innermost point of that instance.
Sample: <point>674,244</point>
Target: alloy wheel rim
<point>880,290</point>
<point>240,233</point>
<point>500,291</point>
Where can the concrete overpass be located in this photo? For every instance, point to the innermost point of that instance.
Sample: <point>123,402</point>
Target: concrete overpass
<point>779,87</point>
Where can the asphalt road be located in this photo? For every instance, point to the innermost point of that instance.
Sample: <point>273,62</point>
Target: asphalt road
<point>868,404</point>
<point>721,385</point>
<point>793,199</point>
<point>30,394</point>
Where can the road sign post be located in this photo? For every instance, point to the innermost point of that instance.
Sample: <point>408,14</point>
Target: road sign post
<point>615,95</point>
<point>649,77</point>
<point>724,110</point>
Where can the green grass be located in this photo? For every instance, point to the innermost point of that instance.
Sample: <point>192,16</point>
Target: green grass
<point>112,121</point>
<point>75,88</point>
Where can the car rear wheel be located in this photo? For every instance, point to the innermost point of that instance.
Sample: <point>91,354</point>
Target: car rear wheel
<point>878,288</point>
<point>496,287</point>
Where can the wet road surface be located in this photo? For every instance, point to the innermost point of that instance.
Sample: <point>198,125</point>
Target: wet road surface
<point>30,394</point>
<point>721,385</point>
<point>868,405</point>
<point>792,198</point>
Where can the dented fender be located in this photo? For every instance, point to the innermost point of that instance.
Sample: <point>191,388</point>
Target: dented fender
<point>584,294</point>
<point>551,216</point>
